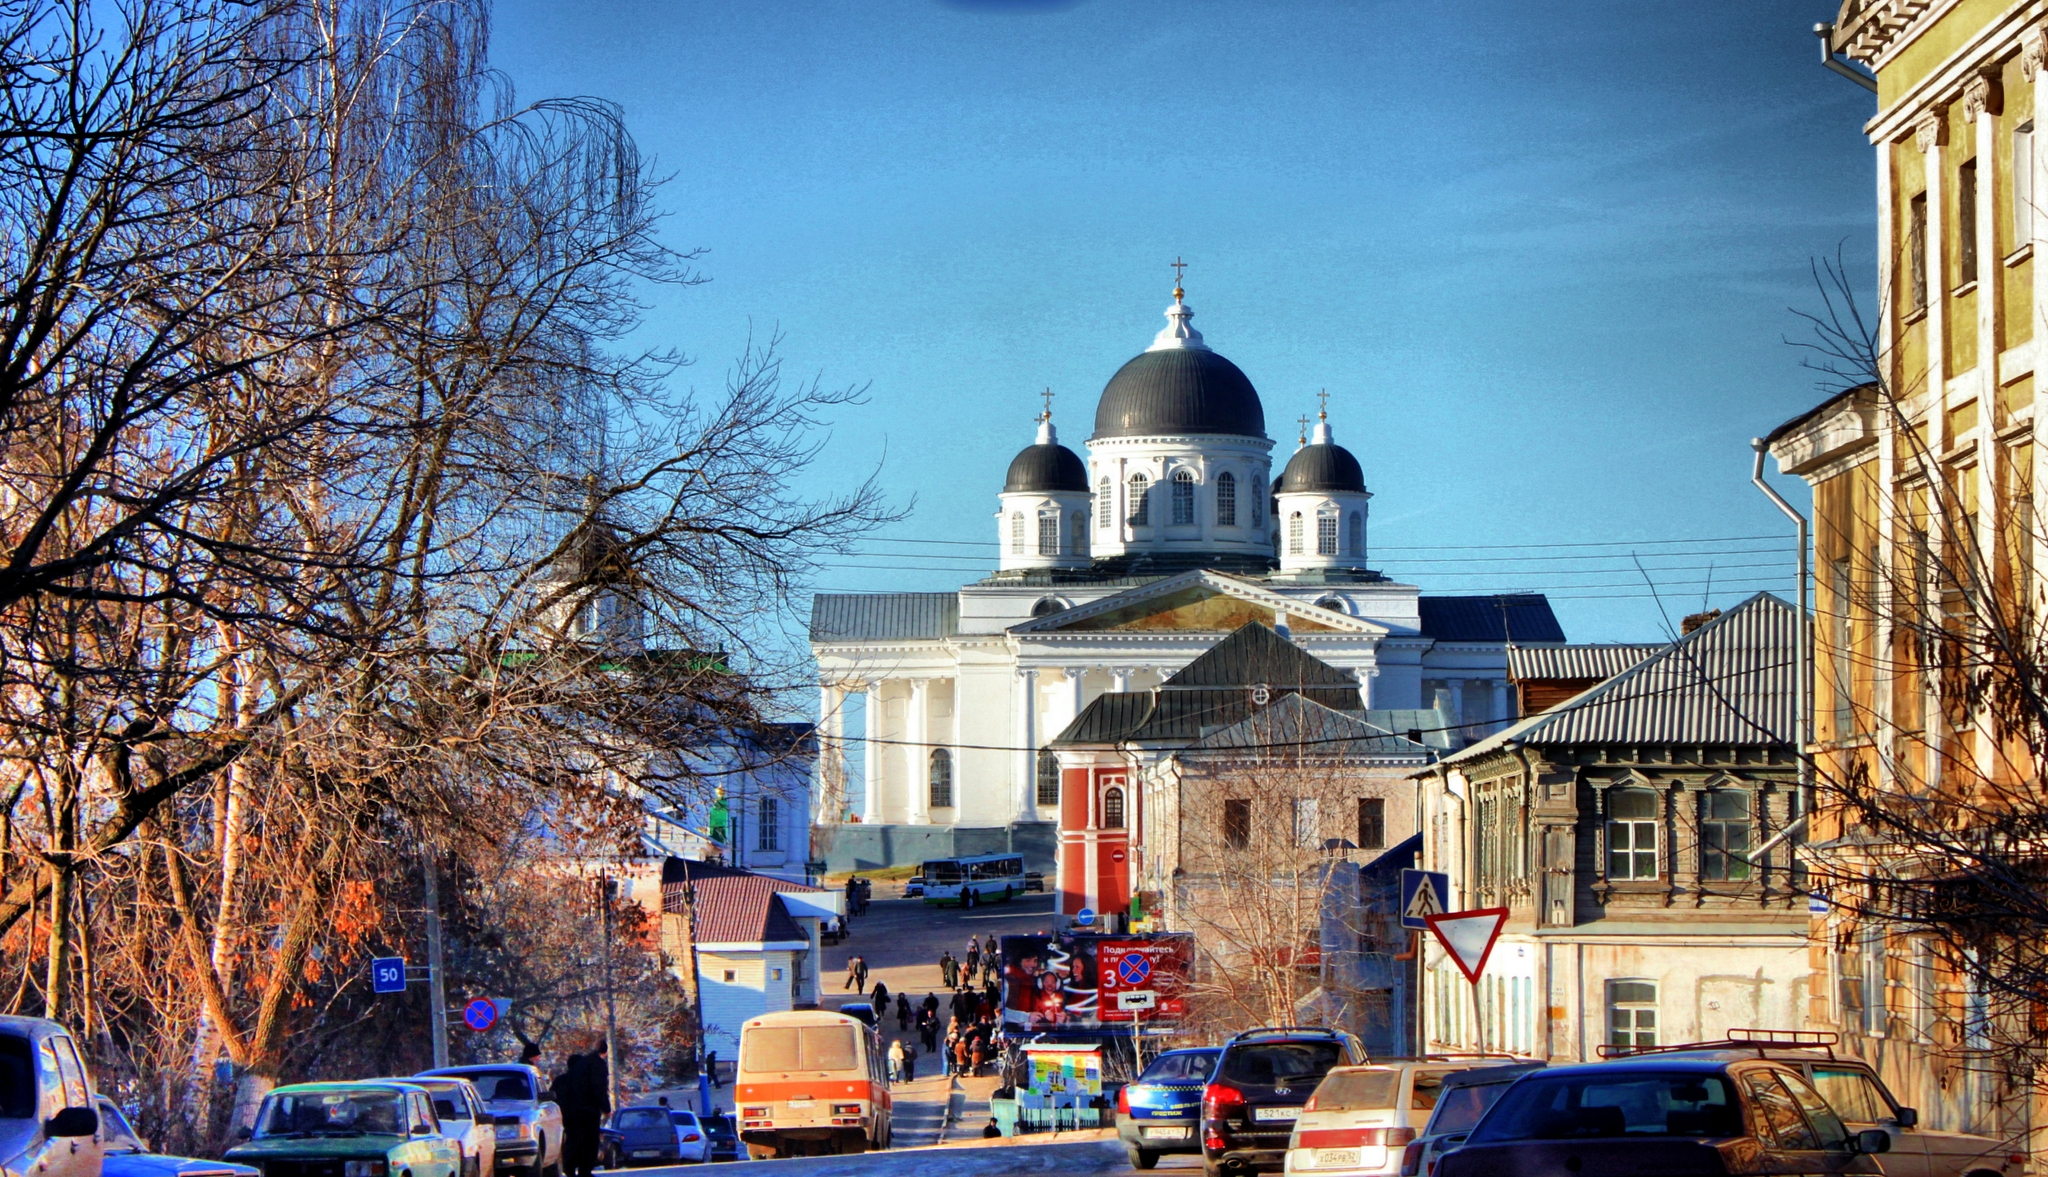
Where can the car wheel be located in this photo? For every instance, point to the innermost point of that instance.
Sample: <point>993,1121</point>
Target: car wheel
<point>1142,1158</point>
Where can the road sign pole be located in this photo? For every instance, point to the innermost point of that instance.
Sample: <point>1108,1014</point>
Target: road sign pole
<point>437,991</point>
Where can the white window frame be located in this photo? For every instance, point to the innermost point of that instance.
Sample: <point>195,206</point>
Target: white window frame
<point>1105,502</point>
<point>1634,1007</point>
<point>1226,499</point>
<point>1016,533</point>
<point>1140,509</point>
<point>1294,534</point>
<point>1183,497</point>
<point>1326,531</point>
<point>1048,531</point>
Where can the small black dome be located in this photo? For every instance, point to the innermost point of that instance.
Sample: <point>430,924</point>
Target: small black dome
<point>1179,390</point>
<point>1048,466</point>
<point>1325,466</point>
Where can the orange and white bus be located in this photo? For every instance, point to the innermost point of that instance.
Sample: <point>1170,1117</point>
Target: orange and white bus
<point>811,1083</point>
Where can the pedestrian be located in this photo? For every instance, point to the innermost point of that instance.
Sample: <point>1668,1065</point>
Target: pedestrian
<point>711,1067</point>
<point>948,971</point>
<point>881,1000</point>
<point>973,947</point>
<point>583,1111</point>
<point>909,1062</point>
<point>989,1131</point>
<point>969,964</point>
<point>902,1013</point>
<point>978,1055</point>
<point>928,1030</point>
<point>852,972</point>
<point>896,1060</point>
<point>860,980</point>
<point>960,1056</point>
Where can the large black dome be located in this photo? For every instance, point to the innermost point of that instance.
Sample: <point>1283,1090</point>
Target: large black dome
<point>1045,467</point>
<point>1179,390</point>
<point>1325,466</point>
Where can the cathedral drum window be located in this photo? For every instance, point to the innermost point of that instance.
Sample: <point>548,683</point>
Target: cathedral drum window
<point>1105,504</point>
<point>1049,532</point>
<point>1226,500</point>
<point>1183,497</point>
<point>1357,537</point>
<point>1077,534</point>
<point>1326,532</point>
<point>1016,533</point>
<point>1294,534</point>
<point>1141,513</point>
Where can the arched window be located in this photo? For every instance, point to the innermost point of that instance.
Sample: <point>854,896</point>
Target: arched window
<point>1105,504</point>
<point>1112,808</point>
<point>1183,497</point>
<point>1077,534</point>
<point>1326,533</point>
<point>1631,834</point>
<point>1226,500</point>
<point>1358,533</point>
<point>942,778</point>
<point>1016,533</point>
<point>1294,534</point>
<point>1047,606</point>
<point>1333,604</point>
<point>1049,533</point>
<point>1140,501</point>
<point>1252,503</point>
<point>1048,777</point>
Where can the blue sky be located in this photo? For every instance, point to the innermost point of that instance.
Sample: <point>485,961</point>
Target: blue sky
<point>1541,255</point>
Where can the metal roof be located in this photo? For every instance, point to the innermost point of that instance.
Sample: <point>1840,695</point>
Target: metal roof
<point>1047,466</point>
<point>1323,466</point>
<point>733,906</point>
<point>1212,691</point>
<point>1502,617</point>
<point>1729,682</point>
<point>854,617</point>
<point>1323,731</point>
<point>1595,661</point>
<point>1254,654</point>
<point>1179,391</point>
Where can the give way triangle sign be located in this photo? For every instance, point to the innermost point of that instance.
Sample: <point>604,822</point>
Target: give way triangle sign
<point>1468,936</point>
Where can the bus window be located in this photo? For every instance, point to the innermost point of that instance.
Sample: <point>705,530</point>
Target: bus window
<point>799,1048</point>
<point>941,873</point>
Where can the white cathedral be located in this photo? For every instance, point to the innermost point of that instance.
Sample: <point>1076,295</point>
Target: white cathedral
<point>1116,571</point>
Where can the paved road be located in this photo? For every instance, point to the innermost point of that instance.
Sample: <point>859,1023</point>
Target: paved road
<point>902,939</point>
<point>1079,1158</point>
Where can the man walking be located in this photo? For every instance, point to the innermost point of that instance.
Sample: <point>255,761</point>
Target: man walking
<point>896,1060</point>
<point>852,972</point>
<point>587,1102</point>
<point>948,971</point>
<point>860,980</point>
<point>881,1000</point>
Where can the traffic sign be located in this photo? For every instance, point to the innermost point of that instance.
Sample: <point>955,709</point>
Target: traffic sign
<point>1817,903</point>
<point>1136,999</point>
<point>480,1015</point>
<point>1424,893</point>
<point>1468,936</point>
<point>1085,916</point>
<point>387,974</point>
<point>1133,969</point>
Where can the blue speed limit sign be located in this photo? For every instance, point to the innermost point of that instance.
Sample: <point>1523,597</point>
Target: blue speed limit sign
<point>1133,969</point>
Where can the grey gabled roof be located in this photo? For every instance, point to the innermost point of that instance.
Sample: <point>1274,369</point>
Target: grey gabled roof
<point>1320,730</point>
<point>855,617</point>
<point>1602,660</point>
<point>1501,617</point>
<point>1727,683</point>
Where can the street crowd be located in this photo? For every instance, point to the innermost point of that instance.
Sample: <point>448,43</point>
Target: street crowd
<point>969,1014</point>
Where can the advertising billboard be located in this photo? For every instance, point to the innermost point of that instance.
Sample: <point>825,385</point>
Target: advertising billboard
<point>1051,982</point>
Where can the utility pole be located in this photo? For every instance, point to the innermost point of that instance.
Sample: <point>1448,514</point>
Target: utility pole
<point>437,978</point>
<point>611,1016</point>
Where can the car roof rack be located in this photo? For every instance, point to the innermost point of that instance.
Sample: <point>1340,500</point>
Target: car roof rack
<point>1327,1031</point>
<point>1739,1038</point>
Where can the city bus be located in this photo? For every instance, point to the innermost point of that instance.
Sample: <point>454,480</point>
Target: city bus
<point>969,881</point>
<point>811,1083</point>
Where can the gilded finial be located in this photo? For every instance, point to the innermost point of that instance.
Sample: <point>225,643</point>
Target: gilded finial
<point>1178,267</point>
<point>1323,414</point>
<point>1304,429</point>
<point>1047,414</point>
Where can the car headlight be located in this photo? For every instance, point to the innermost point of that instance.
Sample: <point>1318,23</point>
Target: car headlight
<point>362,1169</point>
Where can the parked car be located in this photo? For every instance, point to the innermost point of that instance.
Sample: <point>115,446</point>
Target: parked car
<point>1263,1078</point>
<point>864,1010</point>
<point>372,1129</point>
<point>913,887</point>
<point>460,1108</point>
<point>1465,1097</point>
<point>49,1126</point>
<point>126,1154</point>
<point>529,1124</point>
<point>1861,1099</point>
<point>1663,1115</point>
<point>1034,880</point>
<point>648,1136</point>
<point>724,1138</point>
<point>611,1147</point>
<point>692,1139</point>
<point>1161,1111</point>
<point>1361,1119</point>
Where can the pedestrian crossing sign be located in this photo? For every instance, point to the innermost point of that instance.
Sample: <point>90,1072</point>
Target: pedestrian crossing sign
<point>1424,893</point>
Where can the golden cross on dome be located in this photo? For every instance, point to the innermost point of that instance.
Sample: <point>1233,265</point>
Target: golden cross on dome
<point>1178,266</point>
<point>1047,394</point>
<point>1304,429</point>
<point>1324,396</point>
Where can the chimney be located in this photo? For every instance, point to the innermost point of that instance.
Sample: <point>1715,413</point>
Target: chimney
<point>1696,620</point>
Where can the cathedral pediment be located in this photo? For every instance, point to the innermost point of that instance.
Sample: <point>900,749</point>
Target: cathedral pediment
<point>1196,602</point>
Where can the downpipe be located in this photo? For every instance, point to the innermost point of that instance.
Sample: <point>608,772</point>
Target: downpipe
<point>1826,33</point>
<point>1802,660</point>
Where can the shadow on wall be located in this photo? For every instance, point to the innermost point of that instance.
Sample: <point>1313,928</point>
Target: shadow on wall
<point>858,847</point>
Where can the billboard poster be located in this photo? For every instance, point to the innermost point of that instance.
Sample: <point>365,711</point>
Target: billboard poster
<point>1056,981</point>
<point>1158,965</point>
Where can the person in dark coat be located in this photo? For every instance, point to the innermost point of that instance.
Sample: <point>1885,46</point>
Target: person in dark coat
<point>903,1013</point>
<point>584,1107</point>
<point>948,971</point>
<point>881,1000</point>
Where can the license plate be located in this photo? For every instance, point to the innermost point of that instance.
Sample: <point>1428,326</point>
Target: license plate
<point>803,1103</point>
<point>646,1152</point>
<point>1336,1158</point>
<point>1276,1113</point>
<point>1170,1132</point>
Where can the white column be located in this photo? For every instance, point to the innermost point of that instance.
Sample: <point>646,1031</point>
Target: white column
<point>871,763</point>
<point>920,753</point>
<point>824,798</point>
<point>1027,744</point>
<point>1120,681</point>
<point>1076,693</point>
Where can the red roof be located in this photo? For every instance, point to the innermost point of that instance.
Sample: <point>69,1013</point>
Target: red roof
<point>734,906</point>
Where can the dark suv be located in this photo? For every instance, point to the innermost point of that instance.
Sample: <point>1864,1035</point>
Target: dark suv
<point>1261,1080</point>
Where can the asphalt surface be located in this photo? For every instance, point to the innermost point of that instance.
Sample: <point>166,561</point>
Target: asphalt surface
<point>1078,1158</point>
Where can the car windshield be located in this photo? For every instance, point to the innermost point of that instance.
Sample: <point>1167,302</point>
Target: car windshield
<point>640,1119</point>
<point>329,1113</point>
<point>1271,1063</point>
<point>497,1085</point>
<point>1358,1091</point>
<point>1564,1107</point>
<point>17,1079</point>
<point>1461,1107</point>
<point>1191,1067</point>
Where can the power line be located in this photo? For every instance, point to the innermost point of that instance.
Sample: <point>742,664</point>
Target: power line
<point>1619,543</point>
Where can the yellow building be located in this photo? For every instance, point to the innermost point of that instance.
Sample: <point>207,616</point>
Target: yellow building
<point>1924,545</point>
